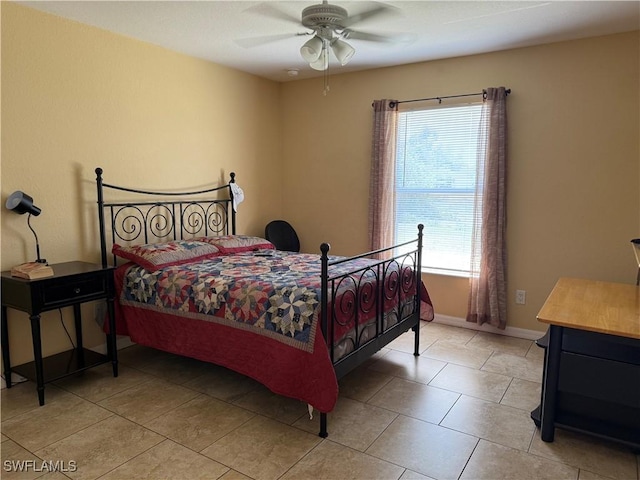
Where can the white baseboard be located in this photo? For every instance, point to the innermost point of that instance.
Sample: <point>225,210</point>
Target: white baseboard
<point>509,331</point>
<point>15,379</point>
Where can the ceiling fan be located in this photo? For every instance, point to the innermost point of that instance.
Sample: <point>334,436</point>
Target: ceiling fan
<point>330,26</point>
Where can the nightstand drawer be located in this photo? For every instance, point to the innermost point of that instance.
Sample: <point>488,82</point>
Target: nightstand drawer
<point>62,292</point>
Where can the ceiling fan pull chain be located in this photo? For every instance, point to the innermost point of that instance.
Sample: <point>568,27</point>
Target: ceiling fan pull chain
<point>326,83</point>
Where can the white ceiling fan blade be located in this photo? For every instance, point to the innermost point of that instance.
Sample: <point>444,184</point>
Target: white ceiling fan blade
<point>371,37</point>
<point>267,10</point>
<point>379,9</point>
<point>251,42</point>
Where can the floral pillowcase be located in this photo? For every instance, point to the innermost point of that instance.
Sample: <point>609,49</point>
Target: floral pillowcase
<point>154,256</point>
<point>238,243</point>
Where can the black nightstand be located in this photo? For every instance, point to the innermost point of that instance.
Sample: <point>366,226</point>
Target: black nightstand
<point>72,284</point>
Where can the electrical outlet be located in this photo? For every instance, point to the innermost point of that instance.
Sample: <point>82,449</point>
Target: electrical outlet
<point>521,297</point>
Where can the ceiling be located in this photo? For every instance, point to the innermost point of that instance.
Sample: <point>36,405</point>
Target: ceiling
<point>425,30</point>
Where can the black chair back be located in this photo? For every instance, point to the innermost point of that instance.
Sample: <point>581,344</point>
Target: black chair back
<point>282,235</point>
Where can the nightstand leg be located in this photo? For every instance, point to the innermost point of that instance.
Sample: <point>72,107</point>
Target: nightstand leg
<point>112,347</point>
<point>77,317</point>
<point>5,348</point>
<point>37,354</point>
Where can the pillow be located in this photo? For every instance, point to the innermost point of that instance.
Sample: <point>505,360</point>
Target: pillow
<point>238,243</point>
<point>154,256</point>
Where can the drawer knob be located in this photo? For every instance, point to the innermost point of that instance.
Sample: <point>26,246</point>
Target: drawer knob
<point>77,290</point>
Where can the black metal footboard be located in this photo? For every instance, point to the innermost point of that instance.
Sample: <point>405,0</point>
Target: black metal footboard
<point>376,303</point>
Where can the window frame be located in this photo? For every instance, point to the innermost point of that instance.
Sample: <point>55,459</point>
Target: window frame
<point>403,110</point>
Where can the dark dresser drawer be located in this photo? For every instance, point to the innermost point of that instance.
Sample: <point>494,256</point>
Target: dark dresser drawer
<point>74,290</point>
<point>600,379</point>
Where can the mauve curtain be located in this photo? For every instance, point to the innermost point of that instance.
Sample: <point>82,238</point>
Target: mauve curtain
<point>488,296</point>
<point>383,164</point>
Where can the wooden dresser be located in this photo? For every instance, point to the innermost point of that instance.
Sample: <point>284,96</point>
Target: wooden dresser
<point>591,378</point>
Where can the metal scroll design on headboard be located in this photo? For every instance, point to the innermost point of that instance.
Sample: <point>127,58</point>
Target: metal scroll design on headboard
<point>162,220</point>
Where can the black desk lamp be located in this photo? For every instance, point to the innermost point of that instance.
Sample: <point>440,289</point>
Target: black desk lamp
<point>22,203</point>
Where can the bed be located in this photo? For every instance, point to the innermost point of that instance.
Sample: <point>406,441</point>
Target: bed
<point>188,284</point>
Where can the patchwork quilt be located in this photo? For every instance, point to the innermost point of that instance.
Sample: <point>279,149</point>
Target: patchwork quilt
<point>255,312</point>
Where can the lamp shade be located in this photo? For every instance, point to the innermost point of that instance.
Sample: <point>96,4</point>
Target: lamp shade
<point>312,49</point>
<point>20,202</point>
<point>322,63</point>
<point>342,50</point>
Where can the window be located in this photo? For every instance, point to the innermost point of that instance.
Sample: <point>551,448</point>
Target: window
<point>436,160</point>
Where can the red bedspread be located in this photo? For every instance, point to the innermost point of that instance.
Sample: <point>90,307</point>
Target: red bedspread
<point>256,313</point>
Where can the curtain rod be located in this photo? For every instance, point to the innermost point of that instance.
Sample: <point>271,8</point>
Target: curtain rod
<point>483,93</point>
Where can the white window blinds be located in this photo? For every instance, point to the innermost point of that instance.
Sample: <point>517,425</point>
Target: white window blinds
<point>436,180</point>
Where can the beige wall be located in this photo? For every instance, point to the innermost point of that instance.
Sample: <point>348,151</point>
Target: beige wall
<point>75,97</point>
<point>573,174</point>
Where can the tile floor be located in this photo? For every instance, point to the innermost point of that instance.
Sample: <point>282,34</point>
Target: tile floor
<point>459,411</point>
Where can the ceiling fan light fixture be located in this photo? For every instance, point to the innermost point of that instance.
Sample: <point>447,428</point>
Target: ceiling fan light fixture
<point>342,50</point>
<point>322,63</point>
<point>312,49</point>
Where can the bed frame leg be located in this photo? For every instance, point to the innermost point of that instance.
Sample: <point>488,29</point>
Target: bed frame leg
<point>416,344</point>
<point>323,426</point>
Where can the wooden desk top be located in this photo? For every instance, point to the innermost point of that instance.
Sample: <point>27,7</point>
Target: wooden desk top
<point>603,307</point>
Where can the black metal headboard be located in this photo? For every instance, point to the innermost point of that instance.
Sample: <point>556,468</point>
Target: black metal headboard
<point>150,221</point>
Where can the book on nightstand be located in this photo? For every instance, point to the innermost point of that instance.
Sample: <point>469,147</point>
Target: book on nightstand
<point>32,271</point>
